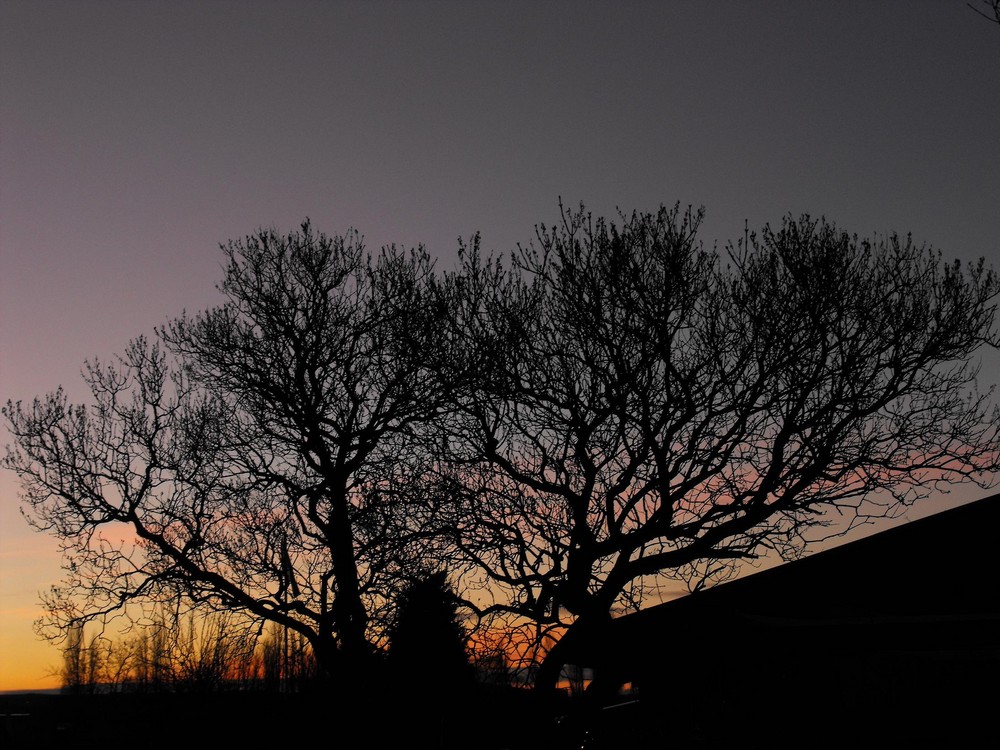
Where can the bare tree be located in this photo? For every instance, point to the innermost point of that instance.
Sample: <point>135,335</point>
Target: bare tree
<point>992,12</point>
<point>615,405</point>
<point>81,663</point>
<point>207,649</point>
<point>255,457</point>
<point>649,407</point>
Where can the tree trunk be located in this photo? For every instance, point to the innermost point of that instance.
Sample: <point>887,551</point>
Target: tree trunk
<point>584,643</point>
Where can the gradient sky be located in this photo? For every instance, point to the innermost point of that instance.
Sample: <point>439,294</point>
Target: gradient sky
<point>137,136</point>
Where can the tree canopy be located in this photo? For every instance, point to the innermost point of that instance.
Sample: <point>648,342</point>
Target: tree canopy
<point>557,429</point>
<point>673,410</point>
<point>256,452</point>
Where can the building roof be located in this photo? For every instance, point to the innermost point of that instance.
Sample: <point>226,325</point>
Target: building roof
<point>940,564</point>
<point>892,637</point>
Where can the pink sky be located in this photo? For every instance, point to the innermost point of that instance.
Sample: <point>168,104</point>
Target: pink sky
<point>137,136</point>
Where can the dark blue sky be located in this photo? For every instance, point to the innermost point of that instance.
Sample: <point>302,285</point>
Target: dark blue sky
<point>137,136</point>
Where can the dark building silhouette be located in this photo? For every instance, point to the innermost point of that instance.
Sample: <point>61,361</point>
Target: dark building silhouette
<point>894,637</point>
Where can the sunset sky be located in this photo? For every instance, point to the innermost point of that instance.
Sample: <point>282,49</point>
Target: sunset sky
<point>137,136</point>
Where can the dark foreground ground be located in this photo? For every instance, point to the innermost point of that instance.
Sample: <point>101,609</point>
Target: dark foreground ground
<point>485,720</point>
<point>479,719</point>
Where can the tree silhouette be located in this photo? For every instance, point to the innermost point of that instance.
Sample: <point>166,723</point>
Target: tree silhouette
<point>614,405</point>
<point>427,641</point>
<point>83,662</point>
<point>254,458</point>
<point>648,407</point>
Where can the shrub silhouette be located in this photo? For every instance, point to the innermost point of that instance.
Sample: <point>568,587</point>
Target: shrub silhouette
<point>427,642</point>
